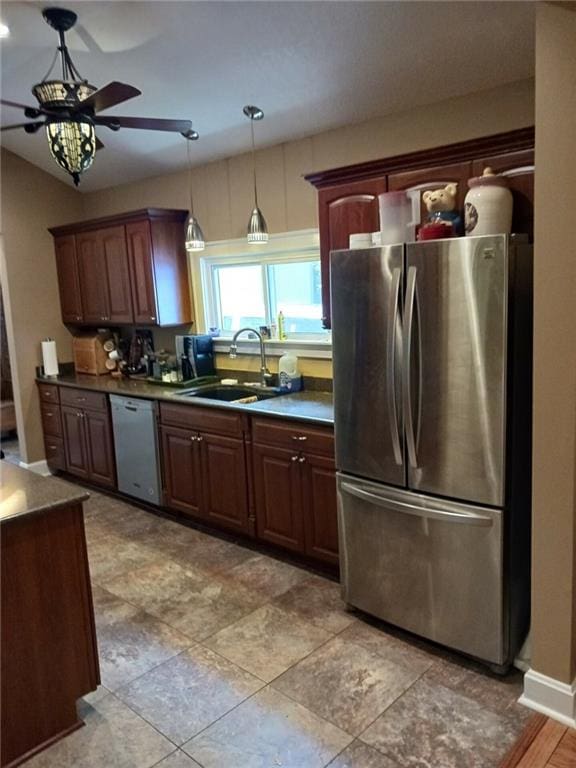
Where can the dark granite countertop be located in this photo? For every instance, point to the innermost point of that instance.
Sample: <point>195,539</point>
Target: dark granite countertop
<point>308,406</point>
<point>23,492</point>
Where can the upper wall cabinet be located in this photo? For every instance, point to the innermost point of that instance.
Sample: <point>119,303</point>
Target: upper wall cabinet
<point>126,269</point>
<point>348,197</point>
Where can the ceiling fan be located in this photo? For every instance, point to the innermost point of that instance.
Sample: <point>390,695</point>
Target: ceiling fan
<point>70,107</point>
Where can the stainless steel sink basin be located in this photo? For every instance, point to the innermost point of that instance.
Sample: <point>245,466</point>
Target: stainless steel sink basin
<point>230,393</point>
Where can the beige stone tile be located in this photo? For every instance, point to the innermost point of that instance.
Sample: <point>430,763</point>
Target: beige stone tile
<point>390,645</point>
<point>431,725</point>
<point>95,696</point>
<point>318,601</point>
<point>267,641</point>
<point>266,576</point>
<point>113,737</point>
<point>346,684</point>
<point>197,550</point>
<point>266,731</point>
<point>178,759</point>
<point>154,583</point>
<point>359,755</point>
<point>188,693</point>
<point>130,641</point>
<point>112,555</point>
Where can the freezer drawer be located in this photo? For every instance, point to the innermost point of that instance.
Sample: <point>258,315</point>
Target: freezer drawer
<point>432,567</point>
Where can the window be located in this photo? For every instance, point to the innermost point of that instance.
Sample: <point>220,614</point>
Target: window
<point>251,289</point>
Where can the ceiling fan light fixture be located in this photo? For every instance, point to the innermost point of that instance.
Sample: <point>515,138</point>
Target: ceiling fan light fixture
<point>62,93</point>
<point>72,144</point>
<point>257,228</point>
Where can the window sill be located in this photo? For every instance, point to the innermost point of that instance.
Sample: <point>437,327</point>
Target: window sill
<point>276,348</point>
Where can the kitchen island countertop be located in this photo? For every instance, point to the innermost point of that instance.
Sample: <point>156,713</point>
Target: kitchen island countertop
<point>307,406</point>
<point>23,492</point>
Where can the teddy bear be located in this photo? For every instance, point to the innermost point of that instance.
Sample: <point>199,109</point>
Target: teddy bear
<point>441,206</point>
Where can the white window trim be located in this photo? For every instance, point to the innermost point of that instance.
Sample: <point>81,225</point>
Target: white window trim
<point>301,244</point>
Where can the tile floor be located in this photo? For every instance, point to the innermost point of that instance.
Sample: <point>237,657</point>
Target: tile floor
<point>213,655</point>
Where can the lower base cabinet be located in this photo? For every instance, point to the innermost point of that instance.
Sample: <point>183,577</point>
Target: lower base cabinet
<point>295,488</point>
<point>205,474</point>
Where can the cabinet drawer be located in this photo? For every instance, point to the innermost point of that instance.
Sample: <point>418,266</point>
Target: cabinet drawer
<point>292,434</point>
<point>212,420</point>
<point>51,420</point>
<point>55,454</point>
<point>83,398</point>
<point>49,393</point>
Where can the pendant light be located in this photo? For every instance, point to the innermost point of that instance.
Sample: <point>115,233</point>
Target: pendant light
<point>194,234</point>
<point>257,229</point>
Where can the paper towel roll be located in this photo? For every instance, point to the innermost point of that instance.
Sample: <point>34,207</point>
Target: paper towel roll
<point>50,358</point>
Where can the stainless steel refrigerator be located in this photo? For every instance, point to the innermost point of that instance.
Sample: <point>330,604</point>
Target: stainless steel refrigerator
<point>432,348</point>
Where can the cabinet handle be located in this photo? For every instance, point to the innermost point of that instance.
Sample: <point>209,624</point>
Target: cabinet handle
<point>199,439</point>
<point>52,448</point>
<point>302,459</point>
<point>294,458</point>
<point>49,413</point>
<point>80,399</point>
<point>299,437</point>
<point>152,317</point>
<point>193,438</point>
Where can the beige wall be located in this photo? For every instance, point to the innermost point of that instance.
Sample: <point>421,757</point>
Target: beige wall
<point>223,189</point>
<point>554,496</point>
<point>32,201</point>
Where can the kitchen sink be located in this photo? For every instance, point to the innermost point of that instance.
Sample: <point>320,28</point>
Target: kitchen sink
<point>230,393</point>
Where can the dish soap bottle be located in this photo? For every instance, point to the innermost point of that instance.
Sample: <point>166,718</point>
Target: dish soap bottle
<point>281,329</point>
<point>288,374</point>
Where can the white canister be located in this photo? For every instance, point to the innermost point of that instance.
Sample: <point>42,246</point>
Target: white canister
<point>488,205</point>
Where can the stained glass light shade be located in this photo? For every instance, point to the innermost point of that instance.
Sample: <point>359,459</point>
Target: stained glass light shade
<point>62,93</point>
<point>73,145</point>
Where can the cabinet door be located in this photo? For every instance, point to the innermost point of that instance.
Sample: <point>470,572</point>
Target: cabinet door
<point>319,505</point>
<point>278,496</point>
<point>68,279</point>
<point>434,178</point>
<point>100,448</point>
<point>225,490</point>
<point>181,470</point>
<point>117,275</point>
<point>142,271</point>
<point>75,441</point>
<point>93,278</point>
<point>518,167</point>
<point>343,211</point>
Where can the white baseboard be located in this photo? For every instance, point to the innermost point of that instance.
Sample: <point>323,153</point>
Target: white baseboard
<point>40,467</point>
<point>550,697</point>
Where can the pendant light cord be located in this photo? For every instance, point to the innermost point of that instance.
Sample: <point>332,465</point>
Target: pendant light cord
<point>190,176</point>
<point>254,163</point>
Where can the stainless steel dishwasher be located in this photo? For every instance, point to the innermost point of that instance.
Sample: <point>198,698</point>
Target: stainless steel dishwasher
<point>136,447</point>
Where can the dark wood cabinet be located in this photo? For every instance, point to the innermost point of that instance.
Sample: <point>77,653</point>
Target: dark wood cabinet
<point>278,493</point>
<point>224,485</point>
<point>87,437</point>
<point>295,488</point>
<point>347,197</point>
<point>131,268</point>
<point>320,507</point>
<point>204,464</point>
<point>181,470</point>
<point>68,279</point>
<point>343,211</point>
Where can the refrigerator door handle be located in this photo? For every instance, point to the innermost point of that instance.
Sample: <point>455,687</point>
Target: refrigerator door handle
<point>393,309</point>
<point>468,518</point>
<point>407,366</point>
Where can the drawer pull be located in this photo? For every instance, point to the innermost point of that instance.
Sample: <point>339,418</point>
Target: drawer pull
<point>302,459</point>
<point>299,437</point>
<point>52,448</point>
<point>49,413</point>
<point>80,399</point>
<point>294,458</point>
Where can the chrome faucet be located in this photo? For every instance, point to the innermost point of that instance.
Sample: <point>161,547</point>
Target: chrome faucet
<point>265,375</point>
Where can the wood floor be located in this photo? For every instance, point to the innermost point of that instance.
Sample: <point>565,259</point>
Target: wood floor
<point>544,744</point>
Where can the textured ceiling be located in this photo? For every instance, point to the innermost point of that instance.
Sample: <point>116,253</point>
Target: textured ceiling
<point>311,66</point>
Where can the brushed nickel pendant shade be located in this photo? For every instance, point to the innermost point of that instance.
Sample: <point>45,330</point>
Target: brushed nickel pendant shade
<point>257,231</point>
<point>194,235</point>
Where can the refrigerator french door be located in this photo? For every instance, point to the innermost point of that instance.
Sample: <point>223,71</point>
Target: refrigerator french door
<point>423,337</point>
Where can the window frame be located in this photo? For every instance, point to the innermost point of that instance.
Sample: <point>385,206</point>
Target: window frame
<point>293,247</point>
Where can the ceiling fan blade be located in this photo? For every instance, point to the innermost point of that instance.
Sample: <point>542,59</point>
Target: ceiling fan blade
<point>16,104</point>
<point>99,144</point>
<point>146,123</point>
<point>110,95</point>
<point>28,127</point>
